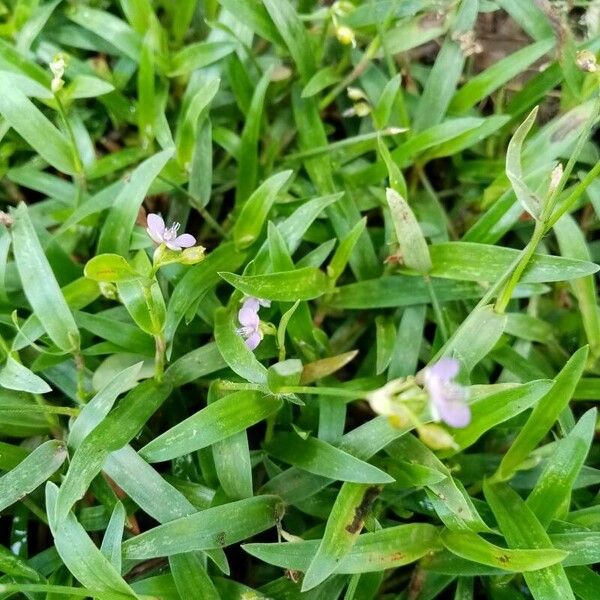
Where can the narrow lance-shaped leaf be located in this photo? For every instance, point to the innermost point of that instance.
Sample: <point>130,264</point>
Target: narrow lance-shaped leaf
<point>216,422</point>
<point>15,376</point>
<point>473,547</point>
<point>39,284</point>
<point>521,529</point>
<point>114,432</point>
<point>215,527</point>
<point>31,472</point>
<point>551,495</point>
<point>34,127</point>
<point>514,171</point>
<point>345,522</point>
<point>383,549</point>
<point>413,247</point>
<point>544,414</point>
<point>255,210</point>
<point>117,229</point>
<point>306,283</point>
<point>319,457</point>
<point>81,556</point>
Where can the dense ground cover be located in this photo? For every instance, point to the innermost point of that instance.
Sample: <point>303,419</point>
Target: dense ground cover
<point>298,299</point>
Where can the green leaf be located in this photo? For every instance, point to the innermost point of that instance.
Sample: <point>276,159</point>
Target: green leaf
<point>110,267</point>
<point>31,472</point>
<point>552,492</point>
<point>482,262</point>
<point>292,30</point>
<point>191,579</point>
<point>255,210</point>
<point>446,71</point>
<point>145,304</point>
<point>248,153</point>
<point>306,283</point>
<point>118,227</point>
<point>199,55</point>
<point>215,527</point>
<point>116,430</point>
<point>413,247</point>
<point>343,252</point>
<point>113,537</point>
<point>498,408</point>
<point>346,520</point>
<point>403,290</point>
<point>39,284</point>
<point>322,79</point>
<point>476,337</point>
<point>514,171</point>
<point>319,457</point>
<point>216,422</point>
<point>15,376</point>
<point>544,414</point>
<point>473,547</point>
<point>383,549</point>
<point>30,123</point>
<point>81,556</point>
<point>502,71</point>
<point>522,530</point>
<point>99,406</point>
<point>572,243</point>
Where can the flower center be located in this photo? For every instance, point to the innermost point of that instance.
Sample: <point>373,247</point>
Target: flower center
<point>171,232</point>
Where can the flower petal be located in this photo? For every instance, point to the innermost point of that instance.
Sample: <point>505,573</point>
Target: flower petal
<point>172,245</point>
<point>248,318</point>
<point>185,240</point>
<point>253,340</point>
<point>444,369</point>
<point>156,226</point>
<point>251,303</point>
<point>454,413</point>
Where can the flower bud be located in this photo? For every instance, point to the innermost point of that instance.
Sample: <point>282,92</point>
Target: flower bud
<point>355,93</point>
<point>108,290</point>
<point>345,35</point>
<point>586,61</point>
<point>57,66</point>
<point>436,437</point>
<point>191,256</point>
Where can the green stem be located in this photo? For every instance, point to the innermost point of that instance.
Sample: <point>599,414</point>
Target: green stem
<point>517,272</point>
<point>63,113</point>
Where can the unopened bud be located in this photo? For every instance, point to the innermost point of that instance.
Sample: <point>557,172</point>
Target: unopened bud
<point>355,93</point>
<point>108,290</point>
<point>345,35</point>
<point>586,61</point>
<point>191,256</point>
<point>362,109</point>
<point>57,66</point>
<point>436,437</point>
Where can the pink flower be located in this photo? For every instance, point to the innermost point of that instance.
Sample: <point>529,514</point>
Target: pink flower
<point>447,399</point>
<point>250,321</point>
<point>168,235</point>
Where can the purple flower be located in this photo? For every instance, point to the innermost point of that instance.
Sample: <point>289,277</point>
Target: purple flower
<point>447,399</point>
<point>250,321</point>
<point>168,235</point>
